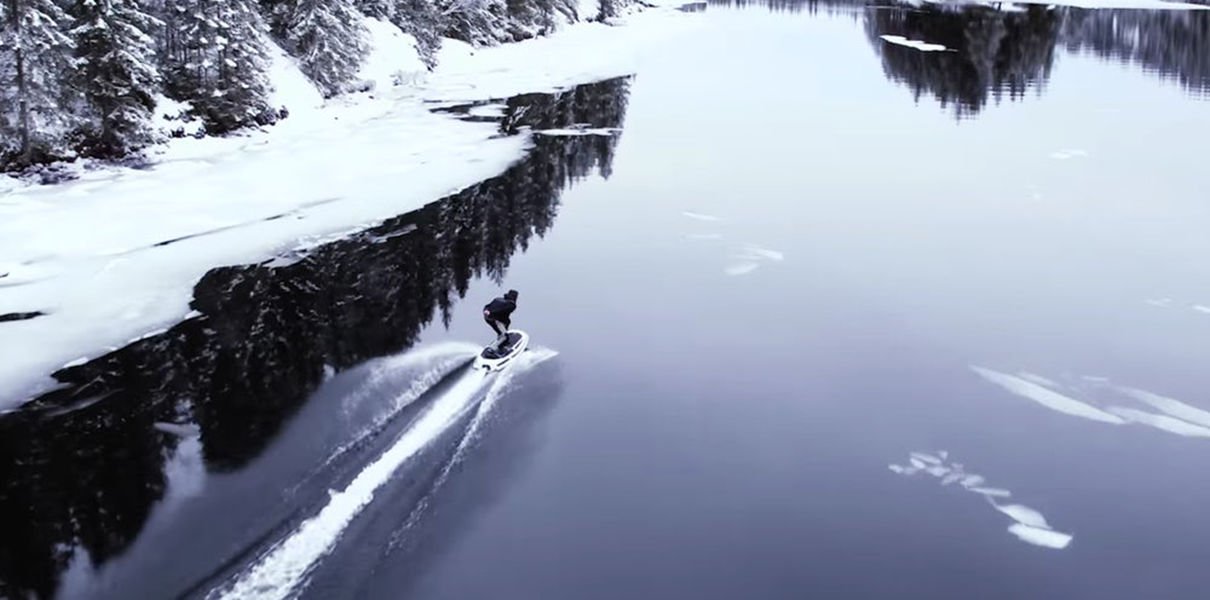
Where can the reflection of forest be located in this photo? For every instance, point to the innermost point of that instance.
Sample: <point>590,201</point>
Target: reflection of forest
<point>994,53</point>
<point>1006,50</point>
<point>85,464</point>
<point>1173,44</point>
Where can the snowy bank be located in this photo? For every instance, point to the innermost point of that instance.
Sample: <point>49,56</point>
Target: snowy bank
<point>89,265</point>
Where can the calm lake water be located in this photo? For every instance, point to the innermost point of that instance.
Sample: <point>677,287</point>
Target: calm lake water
<point>814,253</point>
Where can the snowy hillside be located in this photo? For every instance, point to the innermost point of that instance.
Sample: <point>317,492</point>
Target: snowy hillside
<point>88,265</point>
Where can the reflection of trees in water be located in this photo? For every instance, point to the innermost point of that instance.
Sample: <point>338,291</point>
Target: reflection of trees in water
<point>1005,52</point>
<point>91,476</point>
<point>1172,43</point>
<point>992,54</point>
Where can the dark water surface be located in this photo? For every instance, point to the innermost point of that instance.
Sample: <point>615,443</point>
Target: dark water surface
<point>815,253</point>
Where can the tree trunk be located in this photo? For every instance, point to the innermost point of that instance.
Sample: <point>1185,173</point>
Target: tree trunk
<point>22,91</point>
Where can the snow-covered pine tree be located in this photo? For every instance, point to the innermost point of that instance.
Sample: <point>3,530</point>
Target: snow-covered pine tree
<point>35,56</point>
<point>328,38</point>
<point>379,9</point>
<point>424,21</point>
<point>115,62</point>
<point>478,22</point>
<point>215,58</point>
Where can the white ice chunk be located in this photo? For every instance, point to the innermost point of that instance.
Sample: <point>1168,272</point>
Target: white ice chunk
<point>926,457</point>
<point>1023,515</point>
<point>700,216</point>
<point>1040,537</point>
<point>973,480</point>
<point>992,492</point>
<point>741,268</point>
<point>920,45</point>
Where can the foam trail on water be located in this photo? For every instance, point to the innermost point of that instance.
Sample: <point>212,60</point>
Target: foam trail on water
<point>499,385</point>
<point>443,358</point>
<point>281,571</point>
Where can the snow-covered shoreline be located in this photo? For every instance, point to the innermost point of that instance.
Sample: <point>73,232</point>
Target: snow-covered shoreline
<point>114,255</point>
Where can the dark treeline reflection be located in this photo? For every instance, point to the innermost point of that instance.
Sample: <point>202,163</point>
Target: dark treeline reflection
<point>1008,50</point>
<point>83,466</point>
<point>993,54</point>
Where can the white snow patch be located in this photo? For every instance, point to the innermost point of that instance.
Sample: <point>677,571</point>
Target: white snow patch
<point>579,132</point>
<point>588,9</point>
<point>1048,398</point>
<point>393,59</point>
<point>920,45</point>
<point>291,89</point>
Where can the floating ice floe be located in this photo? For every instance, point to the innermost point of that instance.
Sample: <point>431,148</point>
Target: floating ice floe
<point>740,268</point>
<point>920,45</point>
<point>1066,154</point>
<point>1028,525</point>
<point>1162,422</point>
<point>1038,379</point>
<point>1038,536</point>
<point>701,217</point>
<point>1047,397</point>
<point>750,257</point>
<point>1169,406</point>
